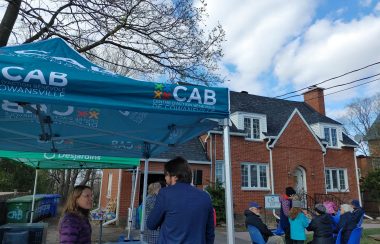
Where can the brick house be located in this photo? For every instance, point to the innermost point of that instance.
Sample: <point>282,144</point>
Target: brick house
<point>274,143</point>
<point>307,149</point>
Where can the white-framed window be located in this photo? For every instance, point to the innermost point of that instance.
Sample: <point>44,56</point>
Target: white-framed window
<point>331,136</point>
<point>219,171</point>
<point>336,180</point>
<point>252,128</point>
<point>254,176</point>
<point>109,186</point>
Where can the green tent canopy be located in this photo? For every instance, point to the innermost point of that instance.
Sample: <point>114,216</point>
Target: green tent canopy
<point>69,161</point>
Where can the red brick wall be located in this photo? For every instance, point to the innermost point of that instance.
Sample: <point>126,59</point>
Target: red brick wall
<point>344,158</point>
<point>297,147</point>
<point>363,165</point>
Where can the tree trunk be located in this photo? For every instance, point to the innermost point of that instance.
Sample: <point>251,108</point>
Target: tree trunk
<point>92,180</point>
<point>86,177</point>
<point>8,21</point>
<point>61,182</point>
<point>66,184</point>
<point>73,179</point>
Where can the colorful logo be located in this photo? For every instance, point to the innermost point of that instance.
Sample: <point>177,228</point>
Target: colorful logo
<point>93,113</point>
<point>162,91</point>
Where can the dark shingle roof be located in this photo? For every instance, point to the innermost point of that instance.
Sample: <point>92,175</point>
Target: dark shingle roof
<point>348,141</point>
<point>192,151</point>
<point>277,111</point>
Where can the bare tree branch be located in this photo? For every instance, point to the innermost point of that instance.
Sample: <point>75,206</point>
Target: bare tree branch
<point>152,38</point>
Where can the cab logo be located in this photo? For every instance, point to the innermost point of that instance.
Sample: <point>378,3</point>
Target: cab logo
<point>181,94</point>
<point>92,113</point>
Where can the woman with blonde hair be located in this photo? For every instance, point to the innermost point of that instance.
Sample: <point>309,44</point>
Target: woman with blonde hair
<point>74,225</point>
<point>298,223</point>
<point>151,236</point>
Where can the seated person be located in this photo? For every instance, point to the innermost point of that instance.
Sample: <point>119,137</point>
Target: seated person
<point>358,212</point>
<point>346,222</point>
<point>321,225</point>
<point>252,217</point>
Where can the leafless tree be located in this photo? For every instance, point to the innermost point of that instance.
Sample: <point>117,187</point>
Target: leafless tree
<point>143,38</point>
<point>361,114</point>
<point>65,180</point>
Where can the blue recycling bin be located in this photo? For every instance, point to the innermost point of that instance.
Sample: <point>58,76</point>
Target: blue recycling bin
<point>54,206</point>
<point>49,204</point>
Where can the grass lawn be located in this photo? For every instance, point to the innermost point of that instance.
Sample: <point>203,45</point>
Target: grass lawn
<point>364,240</point>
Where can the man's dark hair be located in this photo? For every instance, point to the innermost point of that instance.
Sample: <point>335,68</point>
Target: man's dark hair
<point>179,167</point>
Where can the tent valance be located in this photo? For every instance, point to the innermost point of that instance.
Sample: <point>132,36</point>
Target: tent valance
<point>70,161</point>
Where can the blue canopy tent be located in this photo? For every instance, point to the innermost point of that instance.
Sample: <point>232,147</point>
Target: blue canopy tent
<point>53,100</point>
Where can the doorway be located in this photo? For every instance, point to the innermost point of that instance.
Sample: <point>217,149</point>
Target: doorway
<point>300,180</point>
<point>152,177</point>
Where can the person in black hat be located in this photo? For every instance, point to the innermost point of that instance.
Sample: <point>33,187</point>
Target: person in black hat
<point>321,224</point>
<point>252,217</point>
<point>358,212</point>
<point>286,205</point>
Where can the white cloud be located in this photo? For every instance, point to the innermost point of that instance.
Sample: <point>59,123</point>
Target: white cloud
<point>255,32</point>
<point>330,48</point>
<point>365,3</point>
<point>337,114</point>
<point>377,7</point>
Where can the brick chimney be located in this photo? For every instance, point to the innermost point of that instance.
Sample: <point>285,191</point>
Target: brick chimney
<point>314,98</point>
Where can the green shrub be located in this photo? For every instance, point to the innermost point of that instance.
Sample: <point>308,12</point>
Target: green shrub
<point>217,193</point>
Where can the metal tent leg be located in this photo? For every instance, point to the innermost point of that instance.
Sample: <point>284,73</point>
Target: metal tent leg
<point>142,227</point>
<point>34,195</point>
<point>229,195</point>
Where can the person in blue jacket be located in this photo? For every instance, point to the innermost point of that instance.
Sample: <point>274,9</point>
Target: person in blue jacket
<point>183,212</point>
<point>298,223</point>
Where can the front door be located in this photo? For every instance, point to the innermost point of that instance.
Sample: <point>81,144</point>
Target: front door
<point>300,180</point>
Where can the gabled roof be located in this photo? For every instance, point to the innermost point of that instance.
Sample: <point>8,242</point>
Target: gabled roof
<point>374,131</point>
<point>295,111</point>
<point>277,111</point>
<point>192,151</point>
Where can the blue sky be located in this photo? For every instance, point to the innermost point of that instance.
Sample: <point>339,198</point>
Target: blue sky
<point>276,46</point>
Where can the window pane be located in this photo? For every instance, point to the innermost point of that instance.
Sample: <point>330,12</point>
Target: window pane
<point>334,140</point>
<point>219,171</point>
<point>263,176</point>
<point>334,179</point>
<point>254,176</point>
<point>256,128</point>
<point>328,181</point>
<point>244,175</point>
<point>247,127</point>
<point>342,182</point>
<point>327,136</point>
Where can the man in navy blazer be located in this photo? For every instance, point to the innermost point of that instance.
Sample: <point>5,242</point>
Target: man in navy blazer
<point>183,213</point>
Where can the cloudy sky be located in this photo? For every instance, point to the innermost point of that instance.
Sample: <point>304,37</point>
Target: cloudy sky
<point>275,46</point>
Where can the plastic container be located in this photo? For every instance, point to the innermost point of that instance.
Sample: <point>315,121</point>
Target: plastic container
<point>19,209</point>
<point>17,232</point>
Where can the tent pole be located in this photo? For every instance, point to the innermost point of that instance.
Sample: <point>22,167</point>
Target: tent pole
<point>34,195</point>
<point>229,195</point>
<point>134,189</point>
<point>100,193</point>
<point>142,226</point>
